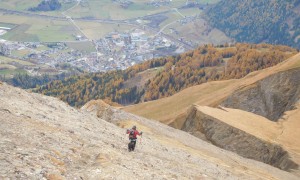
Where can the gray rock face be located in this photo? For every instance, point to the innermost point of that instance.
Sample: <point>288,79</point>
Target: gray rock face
<point>270,97</point>
<point>230,138</point>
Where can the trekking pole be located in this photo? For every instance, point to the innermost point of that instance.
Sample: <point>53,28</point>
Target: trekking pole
<point>141,139</point>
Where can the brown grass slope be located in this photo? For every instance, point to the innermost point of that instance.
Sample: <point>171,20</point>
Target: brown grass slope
<point>166,110</point>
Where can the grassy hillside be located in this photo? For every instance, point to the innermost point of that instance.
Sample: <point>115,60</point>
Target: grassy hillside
<point>168,75</point>
<point>212,94</point>
<point>256,21</point>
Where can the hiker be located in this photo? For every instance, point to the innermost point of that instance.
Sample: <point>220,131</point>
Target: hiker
<point>132,137</point>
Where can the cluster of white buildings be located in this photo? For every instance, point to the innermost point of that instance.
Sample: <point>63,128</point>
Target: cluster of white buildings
<point>115,51</point>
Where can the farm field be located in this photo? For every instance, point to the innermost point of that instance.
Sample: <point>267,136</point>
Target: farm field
<point>42,30</point>
<point>197,32</point>
<point>24,5</point>
<point>9,66</point>
<point>18,4</point>
<point>85,46</point>
<point>7,25</point>
<point>106,9</point>
<point>33,28</point>
<point>10,72</point>
<point>94,30</point>
<point>177,15</point>
<point>6,60</point>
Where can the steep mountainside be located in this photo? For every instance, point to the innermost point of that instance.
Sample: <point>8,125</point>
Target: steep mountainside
<point>256,21</point>
<point>42,137</point>
<point>215,93</point>
<point>164,77</point>
<point>272,93</point>
<point>208,94</point>
<point>246,134</point>
<point>270,97</point>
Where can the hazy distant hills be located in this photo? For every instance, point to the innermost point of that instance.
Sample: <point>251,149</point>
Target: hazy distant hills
<point>164,77</point>
<point>256,21</point>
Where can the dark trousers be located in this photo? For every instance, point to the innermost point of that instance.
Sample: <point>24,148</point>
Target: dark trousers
<point>131,144</point>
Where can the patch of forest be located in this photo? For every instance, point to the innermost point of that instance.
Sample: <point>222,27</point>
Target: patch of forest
<point>256,21</point>
<point>26,81</point>
<point>173,74</point>
<point>47,5</point>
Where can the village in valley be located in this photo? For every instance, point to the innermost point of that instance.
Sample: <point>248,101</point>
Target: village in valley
<point>115,51</point>
<point>149,37</point>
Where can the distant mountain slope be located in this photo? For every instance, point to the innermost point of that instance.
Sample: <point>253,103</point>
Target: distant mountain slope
<point>256,21</point>
<point>169,110</point>
<point>164,77</point>
<point>43,138</point>
<point>269,95</point>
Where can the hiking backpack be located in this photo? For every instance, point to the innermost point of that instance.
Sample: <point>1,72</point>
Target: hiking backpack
<point>131,134</point>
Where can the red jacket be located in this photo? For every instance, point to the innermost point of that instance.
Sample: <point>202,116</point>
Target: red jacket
<point>135,133</point>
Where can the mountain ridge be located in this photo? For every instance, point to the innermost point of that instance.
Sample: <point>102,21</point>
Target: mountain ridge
<point>210,94</point>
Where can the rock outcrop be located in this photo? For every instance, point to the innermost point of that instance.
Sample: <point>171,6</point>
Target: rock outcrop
<point>100,109</point>
<point>226,136</point>
<point>43,138</point>
<point>270,97</point>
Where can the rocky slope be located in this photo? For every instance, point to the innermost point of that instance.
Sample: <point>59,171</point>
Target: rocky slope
<point>270,97</point>
<point>229,129</point>
<point>43,138</point>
